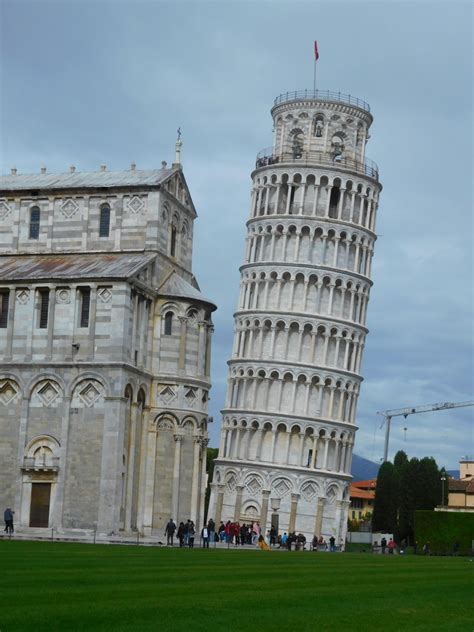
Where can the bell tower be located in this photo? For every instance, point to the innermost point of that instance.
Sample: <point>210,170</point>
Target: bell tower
<point>289,421</point>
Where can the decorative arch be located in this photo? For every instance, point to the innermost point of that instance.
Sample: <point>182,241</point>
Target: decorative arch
<point>88,393</point>
<point>10,391</point>
<point>46,392</point>
<point>167,422</point>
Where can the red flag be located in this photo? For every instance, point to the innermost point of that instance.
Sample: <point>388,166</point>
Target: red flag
<point>316,54</point>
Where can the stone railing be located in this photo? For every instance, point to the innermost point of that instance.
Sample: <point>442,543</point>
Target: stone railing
<point>322,95</point>
<point>46,464</point>
<point>267,157</point>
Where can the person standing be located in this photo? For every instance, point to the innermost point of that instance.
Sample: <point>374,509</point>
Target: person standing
<point>383,544</point>
<point>222,532</point>
<point>332,544</point>
<point>186,533</point>
<point>191,534</point>
<point>169,531</point>
<point>243,534</point>
<point>8,517</point>
<point>205,537</point>
<point>180,534</point>
<point>391,546</point>
<point>211,528</point>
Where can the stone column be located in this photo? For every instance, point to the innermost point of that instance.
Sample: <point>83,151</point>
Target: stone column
<point>129,481</point>
<point>328,199</point>
<point>351,214</point>
<point>195,480</point>
<point>337,520</point>
<point>207,366</point>
<point>301,450</point>
<point>111,464</point>
<point>203,442</point>
<point>326,448</point>
<point>149,485</point>
<point>50,330</point>
<point>182,344</point>
<point>10,324</point>
<point>343,456</point>
<point>201,347</point>
<point>258,454</point>
<point>222,443</point>
<point>57,516</point>
<point>176,473</point>
<point>294,507</point>
<point>315,451</point>
<point>318,523</point>
<point>238,502</point>
<point>219,502</point>
<point>264,512</point>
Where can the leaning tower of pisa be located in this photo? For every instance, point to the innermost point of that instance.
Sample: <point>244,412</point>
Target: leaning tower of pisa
<point>289,420</point>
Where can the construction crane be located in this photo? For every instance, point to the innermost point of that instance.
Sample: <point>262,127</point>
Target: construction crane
<point>388,414</point>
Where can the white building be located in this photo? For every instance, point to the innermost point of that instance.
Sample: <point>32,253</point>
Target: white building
<point>289,421</point>
<point>105,345</point>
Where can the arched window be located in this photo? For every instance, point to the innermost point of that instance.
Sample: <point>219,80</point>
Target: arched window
<point>318,125</point>
<point>337,143</point>
<point>334,199</point>
<point>298,142</point>
<point>104,226</point>
<point>34,222</point>
<point>173,241</point>
<point>168,323</point>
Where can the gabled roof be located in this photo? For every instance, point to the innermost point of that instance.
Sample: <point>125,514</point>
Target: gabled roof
<point>465,485</point>
<point>86,179</point>
<point>176,286</point>
<point>370,484</point>
<point>72,266</point>
<point>355,492</point>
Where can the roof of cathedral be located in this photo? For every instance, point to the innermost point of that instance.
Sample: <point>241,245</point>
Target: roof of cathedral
<point>85,179</point>
<point>174,285</point>
<point>66,266</point>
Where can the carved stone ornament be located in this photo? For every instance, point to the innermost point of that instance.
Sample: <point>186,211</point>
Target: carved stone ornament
<point>135,204</point>
<point>309,490</point>
<point>23,296</point>
<point>63,295</point>
<point>8,392</point>
<point>48,393</point>
<point>5,209</point>
<point>105,294</point>
<point>69,208</point>
<point>281,487</point>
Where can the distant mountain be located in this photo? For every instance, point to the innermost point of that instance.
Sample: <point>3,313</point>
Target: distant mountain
<point>453,473</point>
<point>363,469</point>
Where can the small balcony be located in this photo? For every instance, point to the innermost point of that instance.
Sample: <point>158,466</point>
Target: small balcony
<point>266,158</point>
<point>322,95</point>
<point>50,464</point>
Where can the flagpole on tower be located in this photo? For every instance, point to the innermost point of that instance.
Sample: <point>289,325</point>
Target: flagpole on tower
<point>316,57</point>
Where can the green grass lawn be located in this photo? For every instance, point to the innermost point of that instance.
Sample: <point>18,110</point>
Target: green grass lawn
<point>68,587</point>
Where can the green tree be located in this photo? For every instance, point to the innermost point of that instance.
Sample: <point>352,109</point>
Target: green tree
<point>399,463</point>
<point>408,498</point>
<point>402,488</point>
<point>382,518</point>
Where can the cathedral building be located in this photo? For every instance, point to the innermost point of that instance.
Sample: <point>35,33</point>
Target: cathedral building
<point>289,421</point>
<point>105,344</point>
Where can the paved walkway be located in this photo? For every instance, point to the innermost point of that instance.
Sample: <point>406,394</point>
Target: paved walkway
<point>88,537</point>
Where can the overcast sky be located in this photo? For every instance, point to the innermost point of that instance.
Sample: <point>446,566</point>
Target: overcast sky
<point>87,83</point>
